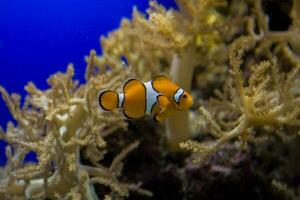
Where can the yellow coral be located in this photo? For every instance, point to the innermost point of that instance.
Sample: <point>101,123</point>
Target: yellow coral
<point>268,98</point>
<point>191,43</point>
<point>62,119</point>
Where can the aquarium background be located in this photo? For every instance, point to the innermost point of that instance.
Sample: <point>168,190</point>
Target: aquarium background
<point>39,38</point>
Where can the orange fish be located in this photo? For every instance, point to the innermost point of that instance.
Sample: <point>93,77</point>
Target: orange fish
<point>159,98</point>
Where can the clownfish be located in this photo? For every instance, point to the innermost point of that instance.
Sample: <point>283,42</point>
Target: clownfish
<point>159,98</point>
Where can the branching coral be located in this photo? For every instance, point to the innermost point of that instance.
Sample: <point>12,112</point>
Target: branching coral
<point>192,43</point>
<point>56,124</point>
<point>172,42</point>
<point>183,33</point>
<point>267,37</point>
<point>261,95</point>
<point>267,98</point>
<point>283,188</point>
<point>177,42</point>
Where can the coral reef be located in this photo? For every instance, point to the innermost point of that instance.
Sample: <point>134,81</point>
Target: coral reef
<point>243,75</point>
<point>57,124</point>
<point>269,99</point>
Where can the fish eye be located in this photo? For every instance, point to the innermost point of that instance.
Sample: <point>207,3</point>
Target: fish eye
<point>184,96</point>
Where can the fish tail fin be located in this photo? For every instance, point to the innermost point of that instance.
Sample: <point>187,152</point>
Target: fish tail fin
<point>108,100</point>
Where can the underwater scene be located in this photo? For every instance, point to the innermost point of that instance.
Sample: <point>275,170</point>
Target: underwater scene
<point>150,100</point>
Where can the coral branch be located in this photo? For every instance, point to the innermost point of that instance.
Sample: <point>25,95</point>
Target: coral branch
<point>63,120</point>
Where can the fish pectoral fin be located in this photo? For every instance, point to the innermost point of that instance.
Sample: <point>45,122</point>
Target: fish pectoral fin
<point>159,117</point>
<point>163,102</point>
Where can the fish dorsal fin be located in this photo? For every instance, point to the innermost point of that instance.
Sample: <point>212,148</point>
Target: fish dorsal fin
<point>162,78</point>
<point>131,83</point>
<point>163,85</point>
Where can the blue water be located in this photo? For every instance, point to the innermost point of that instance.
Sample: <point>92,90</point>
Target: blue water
<point>40,37</point>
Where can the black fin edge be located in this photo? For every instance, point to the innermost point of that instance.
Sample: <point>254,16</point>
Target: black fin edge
<point>154,118</point>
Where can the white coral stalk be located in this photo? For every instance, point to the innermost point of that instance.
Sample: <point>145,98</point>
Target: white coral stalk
<point>178,126</point>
